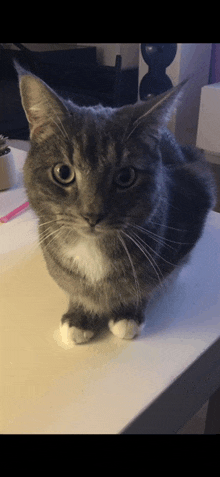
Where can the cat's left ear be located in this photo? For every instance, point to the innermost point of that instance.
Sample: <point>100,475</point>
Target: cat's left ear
<point>154,113</point>
<point>43,108</point>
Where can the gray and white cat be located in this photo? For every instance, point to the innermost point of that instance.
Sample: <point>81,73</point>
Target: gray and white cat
<point>119,202</point>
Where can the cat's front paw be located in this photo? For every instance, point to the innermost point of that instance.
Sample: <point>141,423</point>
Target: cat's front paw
<point>125,329</point>
<point>72,335</point>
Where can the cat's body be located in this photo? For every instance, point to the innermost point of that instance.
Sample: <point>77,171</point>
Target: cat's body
<point>119,202</point>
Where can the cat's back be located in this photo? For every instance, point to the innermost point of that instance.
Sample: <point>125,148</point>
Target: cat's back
<point>191,177</point>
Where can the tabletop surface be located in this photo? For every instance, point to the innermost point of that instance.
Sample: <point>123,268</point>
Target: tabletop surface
<point>99,387</point>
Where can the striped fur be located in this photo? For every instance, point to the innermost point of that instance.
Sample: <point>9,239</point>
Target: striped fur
<point>135,209</point>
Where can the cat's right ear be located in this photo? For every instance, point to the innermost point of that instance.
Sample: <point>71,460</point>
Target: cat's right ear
<point>153,114</point>
<point>43,108</point>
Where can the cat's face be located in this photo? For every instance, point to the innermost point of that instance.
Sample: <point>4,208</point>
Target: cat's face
<point>92,179</point>
<point>94,169</point>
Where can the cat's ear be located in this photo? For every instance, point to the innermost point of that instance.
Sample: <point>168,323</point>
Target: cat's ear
<point>43,108</point>
<point>154,113</point>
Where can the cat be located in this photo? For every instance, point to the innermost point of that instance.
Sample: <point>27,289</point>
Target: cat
<point>120,203</point>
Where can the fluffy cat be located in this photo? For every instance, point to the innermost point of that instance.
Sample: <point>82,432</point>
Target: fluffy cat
<point>120,203</point>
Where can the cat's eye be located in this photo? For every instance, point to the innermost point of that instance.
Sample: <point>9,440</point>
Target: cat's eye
<point>125,177</point>
<point>63,173</point>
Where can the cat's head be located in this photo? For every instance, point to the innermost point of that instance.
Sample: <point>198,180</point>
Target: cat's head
<point>98,168</point>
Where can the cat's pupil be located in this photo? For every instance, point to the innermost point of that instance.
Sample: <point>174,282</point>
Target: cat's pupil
<point>64,172</point>
<point>125,177</point>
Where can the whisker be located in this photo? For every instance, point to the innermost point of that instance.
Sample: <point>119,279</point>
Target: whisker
<point>49,222</point>
<point>63,132</point>
<point>139,120</point>
<point>167,226</point>
<point>146,254</point>
<point>55,233</point>
<point>45,237</point>
<point>146,244</point>
<point>158,240</point>
<point>156,235</point>
<point>133,271</point>
<point>70,230</point>
<point>47,229</point>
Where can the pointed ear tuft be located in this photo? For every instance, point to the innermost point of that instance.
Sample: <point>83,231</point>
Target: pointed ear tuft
<point>42,106</point>
<point>20,70</point>
<point>156,112</point>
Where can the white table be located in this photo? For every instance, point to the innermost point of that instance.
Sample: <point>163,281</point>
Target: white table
<point>153,384</point>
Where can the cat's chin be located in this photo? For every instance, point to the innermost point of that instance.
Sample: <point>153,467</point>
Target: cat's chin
<point>90,233</point>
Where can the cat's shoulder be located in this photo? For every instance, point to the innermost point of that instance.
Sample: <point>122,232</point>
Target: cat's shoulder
<point>174,153</point>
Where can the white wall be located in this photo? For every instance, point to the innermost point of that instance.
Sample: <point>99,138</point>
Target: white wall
<point>194,60</point>
<point>106,53</point>
<point>191,60</point>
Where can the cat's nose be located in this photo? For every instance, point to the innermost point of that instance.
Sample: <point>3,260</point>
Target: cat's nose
<point>93,219</point>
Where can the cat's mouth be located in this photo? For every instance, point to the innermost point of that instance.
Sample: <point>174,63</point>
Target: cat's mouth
<point>97,231</point>
<point>94,231</point>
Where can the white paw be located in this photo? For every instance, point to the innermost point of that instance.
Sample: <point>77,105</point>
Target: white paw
<point>126,329</point>
<point>71,335</point>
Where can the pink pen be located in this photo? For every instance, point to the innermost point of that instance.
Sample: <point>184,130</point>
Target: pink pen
<point>14,213</point>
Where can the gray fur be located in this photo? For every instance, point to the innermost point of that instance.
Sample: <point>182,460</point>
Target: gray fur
<point>128,239</point>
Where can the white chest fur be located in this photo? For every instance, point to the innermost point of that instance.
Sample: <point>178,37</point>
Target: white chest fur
<point>88,258</point>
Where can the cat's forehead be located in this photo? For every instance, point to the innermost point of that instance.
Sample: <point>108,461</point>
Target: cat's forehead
<point>92,154</point>
<point>98,142</point>
<point>102,151</point>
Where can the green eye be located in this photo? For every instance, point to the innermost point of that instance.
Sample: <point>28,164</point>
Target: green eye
<point>63,173</point>
<point>125,177</point>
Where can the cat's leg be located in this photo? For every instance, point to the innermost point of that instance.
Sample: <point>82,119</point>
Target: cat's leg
<point>126,321</point>
<point>77,326</point>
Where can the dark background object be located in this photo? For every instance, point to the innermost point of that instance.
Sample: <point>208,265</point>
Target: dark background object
<point>158,57</point>
<point>74,74</point>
